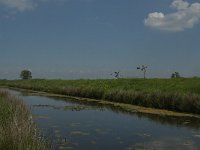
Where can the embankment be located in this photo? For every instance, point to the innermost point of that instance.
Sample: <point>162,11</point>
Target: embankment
<point>181,95</point>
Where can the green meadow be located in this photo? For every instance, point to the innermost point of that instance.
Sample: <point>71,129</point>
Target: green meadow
<point>179,94</point>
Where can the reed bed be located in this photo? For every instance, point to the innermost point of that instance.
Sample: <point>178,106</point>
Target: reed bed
<point>182,95</point>
<point>17,130</point>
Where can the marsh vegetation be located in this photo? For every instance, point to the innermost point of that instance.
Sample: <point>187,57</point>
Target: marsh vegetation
<point>17,130</point>
<point>179,94</point>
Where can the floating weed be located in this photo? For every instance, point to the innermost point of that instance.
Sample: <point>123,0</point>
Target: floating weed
<point>69,147</point>
<point>61,147</point>
<point>144,135</point>
<point>118,138</point>
<point>58,136</point>
<point>93,142</point>
<point>196,136</point>
<point>76,108</point>
<point>66,108</point>
<point>130,148</point>
<point>139,146</point>
<point>57,131</point>
<point>188,143</point>
<point>175,143</point>
<point>79,133</point>
<point>98,130</point>
<point>74,124</point>
<point>75,144</point>
<point>101,131</point>
<point>42,117</point>
<point>110,130</point>
<point>65,147</point>
<point>187,122</point>
<point>54,126</point>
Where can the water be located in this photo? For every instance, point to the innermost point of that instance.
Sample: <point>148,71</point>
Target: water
<point>74,125</point>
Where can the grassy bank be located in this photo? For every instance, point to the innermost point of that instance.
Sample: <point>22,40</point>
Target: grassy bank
<point>182,95</point>
<point>17,131</point>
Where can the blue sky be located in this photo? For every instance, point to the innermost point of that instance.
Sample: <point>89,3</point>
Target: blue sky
<point>74,39</point>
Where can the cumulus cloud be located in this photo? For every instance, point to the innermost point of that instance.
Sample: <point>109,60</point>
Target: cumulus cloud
<point>185,17</point>
<point>180,4</point>
<point>18,5</point>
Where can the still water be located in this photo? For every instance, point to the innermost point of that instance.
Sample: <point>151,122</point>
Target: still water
<point>73,125</point>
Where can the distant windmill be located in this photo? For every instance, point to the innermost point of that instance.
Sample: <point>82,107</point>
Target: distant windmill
<point>144,69</point>
<point>116,74</point>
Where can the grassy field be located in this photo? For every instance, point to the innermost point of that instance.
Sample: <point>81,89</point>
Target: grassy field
<point>17,131</point>
<point>182,95</point>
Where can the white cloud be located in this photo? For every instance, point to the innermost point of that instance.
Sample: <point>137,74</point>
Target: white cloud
<point>180,4</point>
<point>18,5</point>
<point>186,16</point>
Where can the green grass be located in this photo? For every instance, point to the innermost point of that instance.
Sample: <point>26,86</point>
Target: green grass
<point>182,95</point>
<point>17,131</point>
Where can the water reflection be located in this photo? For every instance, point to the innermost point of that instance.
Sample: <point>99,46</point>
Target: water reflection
<point>189,122</point>
<point>72,124</point>
<point>165,144</point>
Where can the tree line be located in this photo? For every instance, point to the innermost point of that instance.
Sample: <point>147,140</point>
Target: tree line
<point>27,74</point>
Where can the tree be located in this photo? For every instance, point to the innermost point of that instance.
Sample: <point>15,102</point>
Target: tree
<point>175,75</point>
<point>25,74</point>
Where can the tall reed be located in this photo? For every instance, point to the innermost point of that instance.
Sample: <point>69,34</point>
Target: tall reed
<point>17,130</point>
